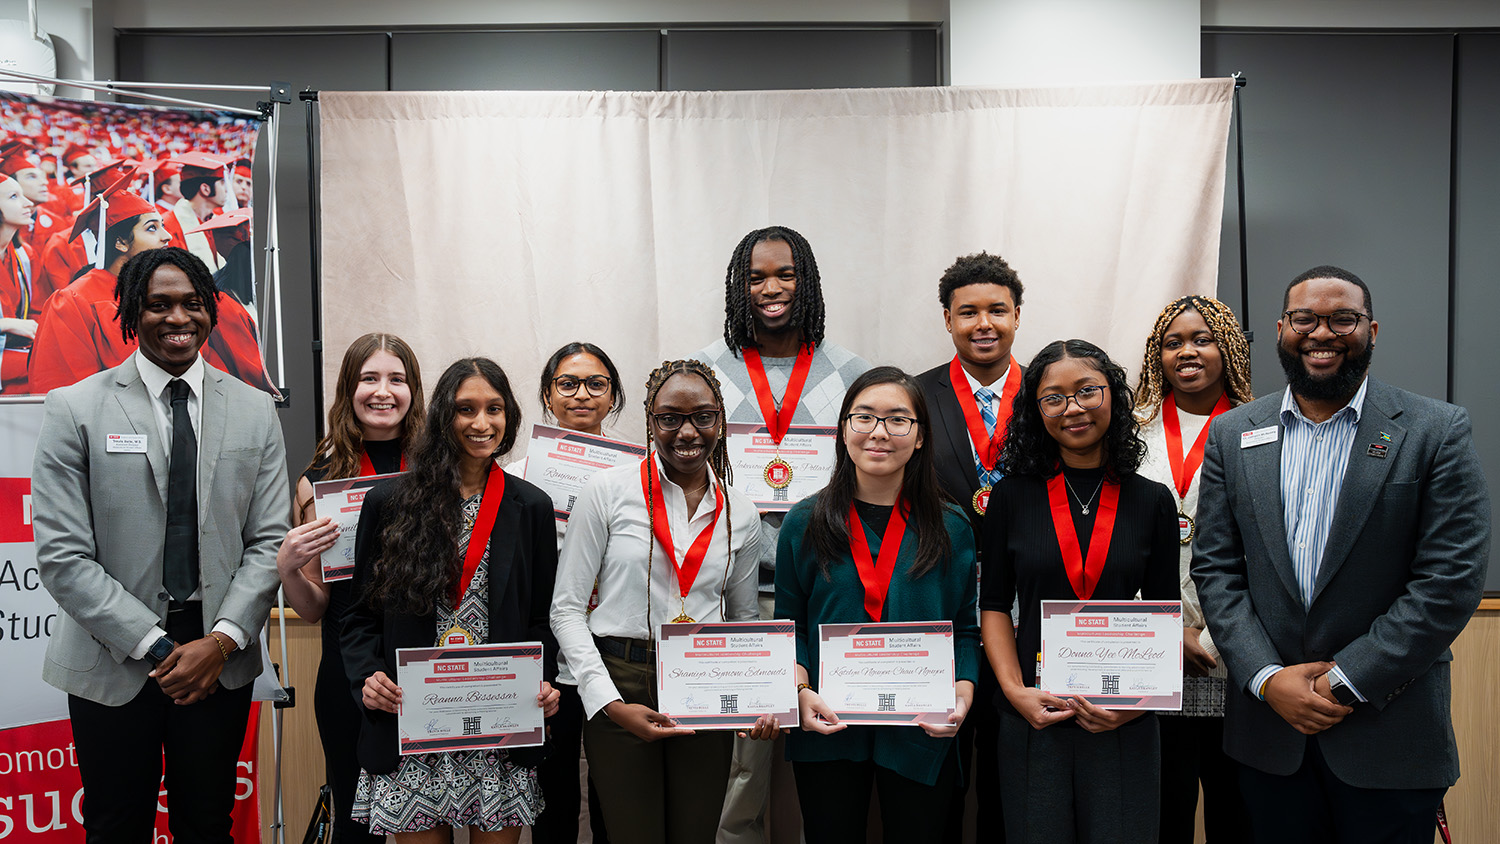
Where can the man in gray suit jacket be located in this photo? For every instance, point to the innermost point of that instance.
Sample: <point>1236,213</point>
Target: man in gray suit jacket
<point>1344,533</point>
<point>155,642</point>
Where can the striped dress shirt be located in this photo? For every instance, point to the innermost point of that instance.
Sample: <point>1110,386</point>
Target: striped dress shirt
<point>1314,456</point>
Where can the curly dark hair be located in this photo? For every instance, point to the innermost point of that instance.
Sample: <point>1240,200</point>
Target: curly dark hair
<point>1030,450</point>
<point>134,283</point>
<point>420,564</point>
<point>1330,271</point>
<point>982,268</point>
<point>829,525</point>
<point>549,371</point>
<point>807,304</point>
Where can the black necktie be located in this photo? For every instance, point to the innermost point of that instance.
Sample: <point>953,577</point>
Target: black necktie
<point>180,560</point>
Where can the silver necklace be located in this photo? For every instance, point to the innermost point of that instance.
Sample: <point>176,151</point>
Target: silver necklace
<point>1084,507</point>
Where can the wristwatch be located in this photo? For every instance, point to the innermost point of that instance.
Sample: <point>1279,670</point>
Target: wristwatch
<point>1341,691</point>
<point>160,649</point>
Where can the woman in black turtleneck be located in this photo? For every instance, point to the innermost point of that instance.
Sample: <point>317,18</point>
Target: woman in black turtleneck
<point>1070,770</point>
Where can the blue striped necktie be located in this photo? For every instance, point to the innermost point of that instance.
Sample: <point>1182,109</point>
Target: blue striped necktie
<point>983,397</point>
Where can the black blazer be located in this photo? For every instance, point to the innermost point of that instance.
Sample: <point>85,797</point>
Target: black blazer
<point>952,451</point>
<point>522,568</point>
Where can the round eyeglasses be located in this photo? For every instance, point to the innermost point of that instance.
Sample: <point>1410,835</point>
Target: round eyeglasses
<point>1087,398</point>
<point>896,426</point>
<point>567,385</point>
<point>703,420</point>
<point>1304,321</point>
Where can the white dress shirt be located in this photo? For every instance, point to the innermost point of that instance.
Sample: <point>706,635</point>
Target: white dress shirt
<point>608,540</point>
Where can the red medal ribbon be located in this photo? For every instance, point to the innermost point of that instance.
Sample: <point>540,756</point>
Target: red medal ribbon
<point>876,574</point>
<point>1083,574</point>
<point>484,525</point>
<point>367,469</point>
<point>778,420</point>
<point>687,572</point>
<point>1183,470</point>
<point>986,446</point>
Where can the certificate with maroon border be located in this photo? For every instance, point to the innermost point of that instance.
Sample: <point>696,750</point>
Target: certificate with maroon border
<point>777,476</point>
<point>561,462</point>
<point>341,501</point>
<point>724,675</point>
<point>1114,654</point>
<point>469,697</point>
<point>887,672</point>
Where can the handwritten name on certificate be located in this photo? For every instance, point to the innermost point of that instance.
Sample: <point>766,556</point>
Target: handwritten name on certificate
<point>341,501</point>
<point>1116,654</point>
<point>561,462</point>
<point>777,476</point>
<point>469,697</point>
<point>887,673</point>
<point>724,675</point>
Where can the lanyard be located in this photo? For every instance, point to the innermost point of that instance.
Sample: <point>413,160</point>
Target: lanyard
<point>1083,574</point>
<point>778,420</point>
<point>484,525</point>
<point>876,573</point>
<point>1184,469</point>
<point>367,469</point>
<point>986,445</point>
<point>687,572</point>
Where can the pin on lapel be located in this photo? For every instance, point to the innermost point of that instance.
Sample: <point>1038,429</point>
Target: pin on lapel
<point>1384,436</point>
<point>1377,450</point>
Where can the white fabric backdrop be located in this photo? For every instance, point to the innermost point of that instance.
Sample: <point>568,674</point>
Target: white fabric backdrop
<point>508,223</point>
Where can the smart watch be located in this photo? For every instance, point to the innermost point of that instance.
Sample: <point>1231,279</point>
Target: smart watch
<point>160,649</point>
<point>1341,692</point>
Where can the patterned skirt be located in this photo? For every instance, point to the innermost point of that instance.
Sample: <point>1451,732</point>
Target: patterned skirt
<point>479,788</point>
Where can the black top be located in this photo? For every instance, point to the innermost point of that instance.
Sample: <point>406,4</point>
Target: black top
<point>1021,553</point>
<point>873,516</point>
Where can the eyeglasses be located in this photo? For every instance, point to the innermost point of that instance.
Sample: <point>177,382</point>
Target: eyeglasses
<point>703,420</point>
<point>567,385</point>
<point>1304,321</point>
<point>1087,398</point>
<point>864,423</point>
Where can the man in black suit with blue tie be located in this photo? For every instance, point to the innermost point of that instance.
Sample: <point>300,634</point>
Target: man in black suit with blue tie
<point>1344,534</point>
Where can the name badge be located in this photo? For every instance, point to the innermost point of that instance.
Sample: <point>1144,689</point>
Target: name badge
<point>1259,436</point>
<point>125,443</point>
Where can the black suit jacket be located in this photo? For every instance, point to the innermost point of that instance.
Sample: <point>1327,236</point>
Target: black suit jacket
<point>949,439</point>
<point>522,568</point>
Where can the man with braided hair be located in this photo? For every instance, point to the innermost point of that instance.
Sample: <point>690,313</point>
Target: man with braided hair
<point>773,342</point>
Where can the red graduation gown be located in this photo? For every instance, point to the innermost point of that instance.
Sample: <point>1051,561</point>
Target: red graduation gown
<point>16,301</point>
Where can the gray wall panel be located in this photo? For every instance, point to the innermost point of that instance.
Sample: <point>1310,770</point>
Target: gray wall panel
<point>567,60</point>
<point>745,60</point>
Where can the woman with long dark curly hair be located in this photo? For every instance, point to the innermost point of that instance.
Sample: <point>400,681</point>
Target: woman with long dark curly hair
<point>884,490</point>
<point>452,552</point>
<point>375,416</point>
<point>1071,520</point>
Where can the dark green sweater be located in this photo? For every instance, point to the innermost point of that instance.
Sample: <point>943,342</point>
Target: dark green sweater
<point>945,593</point>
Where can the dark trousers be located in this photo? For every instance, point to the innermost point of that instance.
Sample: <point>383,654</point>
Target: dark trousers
<point>558,777</point>
<point>835,799</point>
<point>979,747</point>
<point>1315,806</point>
<point>669,791</point>
<point>120,750</point>
<point>338,729</point>
<point>1192,751</point>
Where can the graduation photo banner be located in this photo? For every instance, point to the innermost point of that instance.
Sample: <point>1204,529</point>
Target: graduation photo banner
<point>506,224</point>
<point>98,183</point>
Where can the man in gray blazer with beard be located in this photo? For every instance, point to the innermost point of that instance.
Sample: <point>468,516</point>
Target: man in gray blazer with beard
<point>1344,534</point>
<point>160,499</point>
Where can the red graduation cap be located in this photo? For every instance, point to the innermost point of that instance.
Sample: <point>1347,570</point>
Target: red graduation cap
<point>112,206</point>
<point>107,173</point>
<point>16,156</point>
<point>201,165</point>
<point>229,219</point>
<point>242,167</point>
<point>74,152</point>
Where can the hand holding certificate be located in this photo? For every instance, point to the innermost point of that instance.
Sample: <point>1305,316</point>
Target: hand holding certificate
<point>470,697</point>
<point>341,500</point>
<point>1113,654</point>
<point>727,675</point>
<point>888,673</point>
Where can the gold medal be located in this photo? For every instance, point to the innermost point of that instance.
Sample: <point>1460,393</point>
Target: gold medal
<point>981,500</point>
<point>778,474</point>
<point>1186,529</point>
<point>683,617</point>
<point>457,636</point>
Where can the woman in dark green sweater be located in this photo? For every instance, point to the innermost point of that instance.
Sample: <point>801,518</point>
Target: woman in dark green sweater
<point>884,487</point>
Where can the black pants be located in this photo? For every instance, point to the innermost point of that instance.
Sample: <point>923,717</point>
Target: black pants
<point>835,799</point>
<point>338,729</point>
<point>1315,806</point>
<point>120,751</point>
<point>558,777</point>
<point>1192,751</point>
<point>979,748</point>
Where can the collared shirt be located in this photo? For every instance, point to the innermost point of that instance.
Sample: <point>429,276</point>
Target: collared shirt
<point>995,387</point>
<point>609,541</point>
<point>156,380</point>
<point>1314,456</point>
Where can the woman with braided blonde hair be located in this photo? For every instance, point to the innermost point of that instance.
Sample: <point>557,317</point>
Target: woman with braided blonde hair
<point>1197,365</point>
<point>667,539</point>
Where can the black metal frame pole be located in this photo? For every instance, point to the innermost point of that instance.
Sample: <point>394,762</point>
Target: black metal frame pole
<point>1239,184</point>
<point>314,226</point>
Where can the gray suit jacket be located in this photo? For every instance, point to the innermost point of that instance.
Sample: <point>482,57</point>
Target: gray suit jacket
<point>1402,572</point>
<point>100,520</point>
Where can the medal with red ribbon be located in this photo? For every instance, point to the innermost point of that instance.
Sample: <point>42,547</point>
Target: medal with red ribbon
<point>987,445</point>
<point>778,420</point>
<point>479,540</point>
<point>1082,573</point>
<point>1183,468</point>
<point>687,571</point>
<point>876,573</point>
<point>367,469</point>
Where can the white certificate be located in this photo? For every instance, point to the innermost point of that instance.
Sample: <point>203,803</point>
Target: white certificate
<point>806,450</point>
<point>1115,654</point>
<point>561,462</point>
<point>725,675</point>
<point>888,672</point>
<point>341,501</point>
<point>469,697</point>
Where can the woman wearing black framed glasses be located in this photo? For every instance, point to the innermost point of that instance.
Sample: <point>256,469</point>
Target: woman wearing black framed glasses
<point>879,543</point>
<point>1072,520</point>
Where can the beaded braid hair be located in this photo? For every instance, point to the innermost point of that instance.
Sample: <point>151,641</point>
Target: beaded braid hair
<point>1153,387</point>
<point>718,463</point>
<point>807,303</point>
